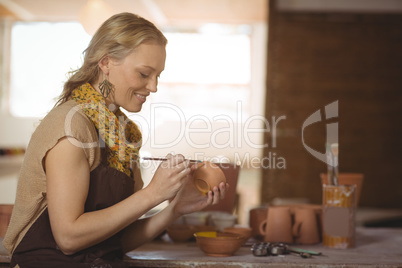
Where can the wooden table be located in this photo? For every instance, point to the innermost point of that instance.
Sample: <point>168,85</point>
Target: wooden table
<point>376,247</point>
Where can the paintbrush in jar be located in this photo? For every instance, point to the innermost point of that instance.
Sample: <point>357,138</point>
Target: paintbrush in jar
<point>335,153</point>
<point>330,167</point>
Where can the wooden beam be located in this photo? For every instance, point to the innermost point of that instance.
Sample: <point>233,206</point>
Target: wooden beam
<point>155,11</point>
<point>16,9</point>
<point>218,11</point>
<point>360,6</point>
<point>5,13</point>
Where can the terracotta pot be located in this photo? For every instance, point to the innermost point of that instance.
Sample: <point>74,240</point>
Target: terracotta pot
<point>229,203</point>
<point>218,244</point>
<point>305,228</point>
<point>207,176</point>
<point>245,232</point>
<point>348,179</point>
<point>180,232</point>
<point>257,215</point>
<point>317,209</point>
<point>278,225</point>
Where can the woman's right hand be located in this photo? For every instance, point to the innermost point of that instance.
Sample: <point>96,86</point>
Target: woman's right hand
<point>170,176</point>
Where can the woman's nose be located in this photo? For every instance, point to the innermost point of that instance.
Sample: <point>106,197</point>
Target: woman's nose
<point>152,85</point>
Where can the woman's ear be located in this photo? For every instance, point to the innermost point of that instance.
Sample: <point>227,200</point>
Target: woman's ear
<point>104,63</point>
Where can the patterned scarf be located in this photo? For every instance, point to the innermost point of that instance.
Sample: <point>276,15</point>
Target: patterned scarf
<point>121,136</point>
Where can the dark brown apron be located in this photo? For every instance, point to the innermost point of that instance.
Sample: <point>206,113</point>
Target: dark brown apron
<point>38,248</point>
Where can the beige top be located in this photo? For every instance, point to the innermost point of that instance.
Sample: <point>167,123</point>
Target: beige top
<point>66,120</point>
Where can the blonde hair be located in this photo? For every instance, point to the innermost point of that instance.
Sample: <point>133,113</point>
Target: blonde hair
<point>116,37</point>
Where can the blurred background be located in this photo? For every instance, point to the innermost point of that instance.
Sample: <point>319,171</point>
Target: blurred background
<point>241,78</point>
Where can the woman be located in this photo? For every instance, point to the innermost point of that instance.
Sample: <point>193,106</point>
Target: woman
<point>80,197</point>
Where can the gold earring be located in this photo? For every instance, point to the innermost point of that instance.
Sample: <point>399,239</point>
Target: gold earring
<point>105,87</point>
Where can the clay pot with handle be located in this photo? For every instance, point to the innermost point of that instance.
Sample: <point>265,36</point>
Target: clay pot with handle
<point>278,225</point>
<point>305,228</point>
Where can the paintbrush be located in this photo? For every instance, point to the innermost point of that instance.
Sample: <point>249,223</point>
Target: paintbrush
<point>164,159</point>
<point>330,167</point>
<point>335,153</point>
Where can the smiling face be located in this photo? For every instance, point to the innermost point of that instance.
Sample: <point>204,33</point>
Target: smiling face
<point>134,77</point>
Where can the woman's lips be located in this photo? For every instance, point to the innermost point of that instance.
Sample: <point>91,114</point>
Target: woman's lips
<point>141,98</point>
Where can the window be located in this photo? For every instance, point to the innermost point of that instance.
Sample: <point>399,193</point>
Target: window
<point>202,67</point>
<point>207,75</point>
<point>206,68</point>
<point>42,54</point>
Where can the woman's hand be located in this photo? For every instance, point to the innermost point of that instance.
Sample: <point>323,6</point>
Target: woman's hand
<point>170,177</point>
<point>189,199</point>
<point>186,199</point>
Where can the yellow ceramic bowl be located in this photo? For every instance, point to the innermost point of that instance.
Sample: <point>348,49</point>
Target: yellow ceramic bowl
<point>218,244</point>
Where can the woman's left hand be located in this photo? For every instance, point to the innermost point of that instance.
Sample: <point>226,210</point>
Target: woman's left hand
<point>189,199</point>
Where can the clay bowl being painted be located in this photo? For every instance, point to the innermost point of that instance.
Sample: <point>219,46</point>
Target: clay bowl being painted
<point>218,244</point>
<point>207,176</point>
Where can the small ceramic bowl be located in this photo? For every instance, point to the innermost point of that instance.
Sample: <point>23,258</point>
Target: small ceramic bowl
<point>223,220</point>
<point>207,176</point>
<point>218,244</point>
<point>245,232</point>
<point>196,218</point>
<point>180,232</point>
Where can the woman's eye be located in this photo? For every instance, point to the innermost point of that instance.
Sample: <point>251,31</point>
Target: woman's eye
<point>144,75</point>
